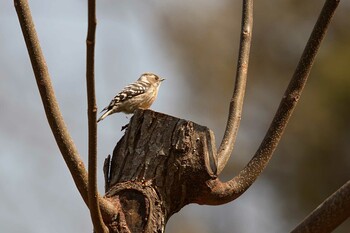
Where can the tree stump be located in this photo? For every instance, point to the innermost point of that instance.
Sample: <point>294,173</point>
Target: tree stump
<point>160,165</point>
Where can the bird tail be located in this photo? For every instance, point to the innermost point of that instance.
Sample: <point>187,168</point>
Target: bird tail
<point>104,115</point>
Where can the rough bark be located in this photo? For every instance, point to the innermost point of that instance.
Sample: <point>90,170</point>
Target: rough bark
<point>159,166</point>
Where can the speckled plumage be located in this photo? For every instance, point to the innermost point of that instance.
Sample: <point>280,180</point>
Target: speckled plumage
<point>138,95</point>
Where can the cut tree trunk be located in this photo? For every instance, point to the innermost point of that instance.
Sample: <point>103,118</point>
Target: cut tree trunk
<point>161,164</point>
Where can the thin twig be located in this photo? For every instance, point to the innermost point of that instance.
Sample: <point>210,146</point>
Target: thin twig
<point>95,212</point>
<point>329,215</point>
<point>236,103</point>
<point>224,192</point>
<point>52,111</point>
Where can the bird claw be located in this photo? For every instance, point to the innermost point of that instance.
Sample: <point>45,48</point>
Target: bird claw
<point>124,127</point>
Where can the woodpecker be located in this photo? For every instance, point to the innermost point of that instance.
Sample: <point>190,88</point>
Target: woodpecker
<point>138,95</point>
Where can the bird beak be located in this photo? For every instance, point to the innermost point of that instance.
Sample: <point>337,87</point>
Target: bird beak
<point>162,79</point>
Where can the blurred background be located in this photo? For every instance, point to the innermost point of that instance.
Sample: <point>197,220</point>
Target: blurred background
<point>194,45</point>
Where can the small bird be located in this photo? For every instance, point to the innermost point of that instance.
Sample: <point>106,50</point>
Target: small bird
<point>138,95</point>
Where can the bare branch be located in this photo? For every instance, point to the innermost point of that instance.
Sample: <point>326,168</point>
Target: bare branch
<point>52,111</point>
<point>53,114</point>
<point>329,215</point>
<point>224,192</point>
<point>236,103</point>
<point>95,212</point>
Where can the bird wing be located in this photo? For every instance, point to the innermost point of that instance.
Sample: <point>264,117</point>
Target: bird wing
<point>128,92</point>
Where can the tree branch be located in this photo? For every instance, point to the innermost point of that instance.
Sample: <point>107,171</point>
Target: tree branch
<point>236,102</point>
<point>329,215</point>
<point>95,212</point>
<point>53,114</point>
<point>225,192</point>
<point>52,111</point>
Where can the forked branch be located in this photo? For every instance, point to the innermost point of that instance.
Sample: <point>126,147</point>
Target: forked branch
<point>236,102</point>
<point>225,192</point>
<point>52,111</point>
